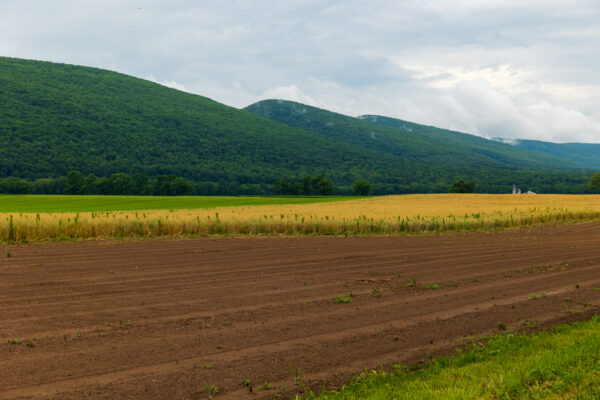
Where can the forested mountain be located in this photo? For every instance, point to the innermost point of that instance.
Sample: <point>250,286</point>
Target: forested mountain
<point>586,155</point>
<point>55,118</point>
<point>436,156</point>
<point>406,139</point>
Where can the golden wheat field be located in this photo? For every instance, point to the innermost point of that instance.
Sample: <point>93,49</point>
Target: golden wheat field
<point>387,215</point>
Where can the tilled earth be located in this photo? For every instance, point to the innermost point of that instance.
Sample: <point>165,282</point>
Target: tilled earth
<point>166,319</point>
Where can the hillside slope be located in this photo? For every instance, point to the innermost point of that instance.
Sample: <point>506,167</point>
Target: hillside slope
<point>55,118</point>
<point>406,139</point>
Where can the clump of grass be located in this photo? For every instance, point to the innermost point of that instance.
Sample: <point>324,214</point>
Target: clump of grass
<point>501,326</point>
<point>15,341</point>
<point>248,384</point>
<point>529,323</point>
<point>208,366</point>
<point>265,386</point>
<point>213,389</point>
<point>376,292</point>
<point>124,324</point>
<point>207,324</point>
<point>412,283</point>
<point>343,299</point>
<point>433,286</point>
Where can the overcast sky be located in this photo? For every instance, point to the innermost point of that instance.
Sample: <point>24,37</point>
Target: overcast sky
<point>495,68</point>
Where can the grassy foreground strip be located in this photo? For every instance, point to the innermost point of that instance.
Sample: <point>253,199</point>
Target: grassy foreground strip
<point>560,364</point>
<point>388,215</point>
<point>68,203</point>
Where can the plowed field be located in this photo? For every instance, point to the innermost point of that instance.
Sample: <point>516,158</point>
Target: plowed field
<point>160,319</point>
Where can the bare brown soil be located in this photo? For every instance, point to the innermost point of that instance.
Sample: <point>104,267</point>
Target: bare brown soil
<point>165,319</point>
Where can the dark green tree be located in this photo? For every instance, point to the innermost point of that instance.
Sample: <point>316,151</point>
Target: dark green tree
<point>361,187</point>
<point>75,183</point>
<point>594,182</point>
<point>322,186</point>
<point>206,188</point>
<point>48,186</point>
<point>140,184</point>
<point>91,184</point>
<point>104,186</point>
<point>15,185</point>
<point>121,183</point>
<point>181,186</point>
<point>317,185</point>
<point>162,185</point>
<point>287,186</point>
<point>307,186</point>
<point>462,186</point>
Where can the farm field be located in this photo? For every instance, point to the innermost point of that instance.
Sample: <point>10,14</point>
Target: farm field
<point>196,318</point>
<point>69,203</point>
<point>387,215</point>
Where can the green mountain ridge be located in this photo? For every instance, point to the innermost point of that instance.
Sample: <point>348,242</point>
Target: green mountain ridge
<point>435,154</point>
<point>56,118</point>
<point>407,139</point>
<point>498,151</point>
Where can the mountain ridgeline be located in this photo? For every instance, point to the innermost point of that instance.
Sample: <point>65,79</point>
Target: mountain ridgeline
<point>56,118</point>
<point>435,157</point>
<point>586,155</point>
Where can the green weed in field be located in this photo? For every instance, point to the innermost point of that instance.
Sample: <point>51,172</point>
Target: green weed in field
<point>343,299</point>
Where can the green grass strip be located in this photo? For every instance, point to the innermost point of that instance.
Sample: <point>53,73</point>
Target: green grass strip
<point>67,203</point>
<point>560,364</point>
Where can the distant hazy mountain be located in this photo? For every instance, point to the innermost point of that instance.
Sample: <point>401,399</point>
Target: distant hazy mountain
<point>586,155</point>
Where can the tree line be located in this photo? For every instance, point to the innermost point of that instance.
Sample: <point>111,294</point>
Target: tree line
<point>117,184</point>
<point>171,185</point>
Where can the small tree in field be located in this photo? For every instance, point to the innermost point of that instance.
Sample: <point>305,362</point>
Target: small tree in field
<point>594,182</point>
<point>361,187</point>
<point>462,186</point>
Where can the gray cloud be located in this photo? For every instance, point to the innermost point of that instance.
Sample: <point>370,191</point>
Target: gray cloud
<point>495,68</point>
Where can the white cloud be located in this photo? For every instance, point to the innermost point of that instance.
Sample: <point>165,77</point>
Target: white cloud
<point>167,83</point>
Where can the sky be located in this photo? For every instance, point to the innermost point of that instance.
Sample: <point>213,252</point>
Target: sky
<point>493,68</point>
